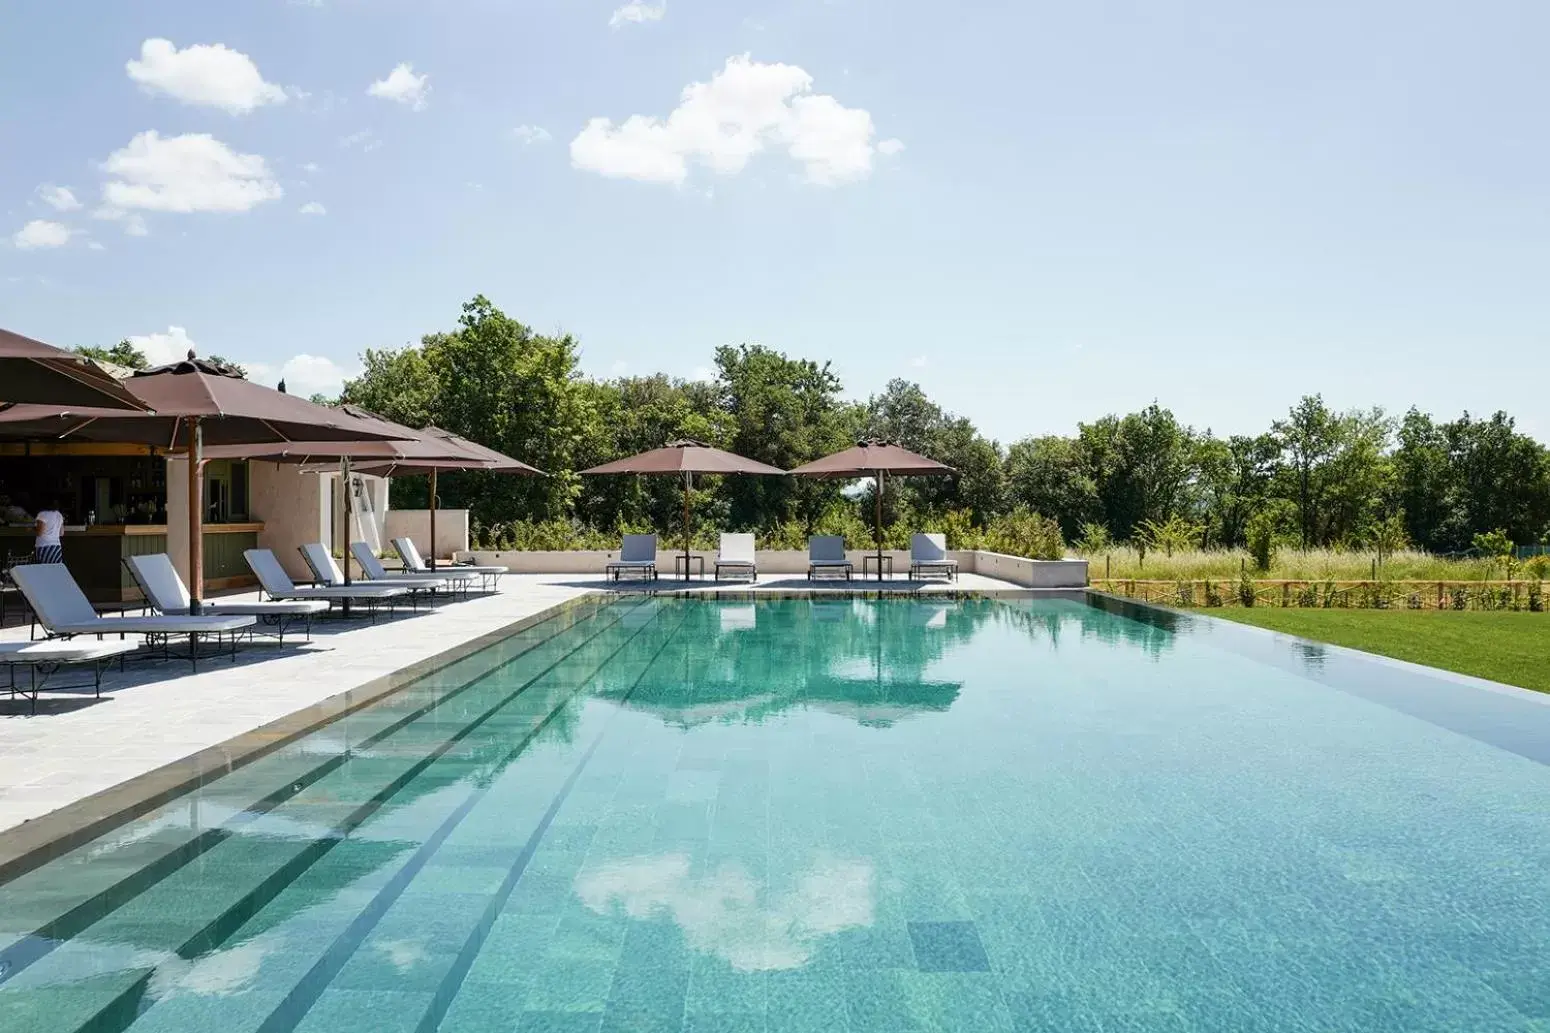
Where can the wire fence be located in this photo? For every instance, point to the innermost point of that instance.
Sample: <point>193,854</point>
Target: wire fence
<point>1524,596</point>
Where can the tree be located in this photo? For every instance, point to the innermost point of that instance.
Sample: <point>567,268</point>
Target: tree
<point>121,354</point>
<point>1049,475</point>
<point>784,412</point>
<point>1234,481</point>
<point>494,381</point>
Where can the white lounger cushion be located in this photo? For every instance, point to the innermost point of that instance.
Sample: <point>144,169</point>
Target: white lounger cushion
<point>931,550</point>
<point>637,550</point>
<point>375,571</point>
<point>410,554</point>
<point>274,580</point>
<point>62,652</point>
<point>322,563</point>
<point>827,550</point>
<point>63,609</point>
<point>736,550</point>
<point>165,591</point>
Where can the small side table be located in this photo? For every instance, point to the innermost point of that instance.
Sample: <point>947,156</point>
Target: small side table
<point>870,560</point>
<point>680,568</point>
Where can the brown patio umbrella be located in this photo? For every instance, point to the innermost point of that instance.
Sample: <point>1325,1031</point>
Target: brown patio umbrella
<point>31,371</point>
<point>686,458</point>
<point>195,402</point>
<point>417,452</point>
<point>876,459</point>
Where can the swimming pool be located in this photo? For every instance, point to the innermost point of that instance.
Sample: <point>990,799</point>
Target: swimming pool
<point>833,814</point>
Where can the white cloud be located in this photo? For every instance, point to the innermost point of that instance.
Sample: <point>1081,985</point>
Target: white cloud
<point>919,362</point>
<point>532,134</point>
<point>161,348</point>
<point>635,12</point>
<point>41,233</point>
<point>209,75</point>
<point>720,911</point>
<point>304,375</point>
<point>61,199</point>
<point>403,86</point>
<point>134,226</point>
<point>312,208</point>
<point>310,167</point>
<point>746,107</point>
<point>190,173</point>
<point>888,148</point>
<point>95,245</point>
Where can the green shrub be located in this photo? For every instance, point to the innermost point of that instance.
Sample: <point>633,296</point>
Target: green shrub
<point>1261,534</point>
<point>1246,595</point>
<point>1025,533</point>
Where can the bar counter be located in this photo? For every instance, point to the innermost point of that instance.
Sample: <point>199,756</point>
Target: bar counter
<point>95,554</point>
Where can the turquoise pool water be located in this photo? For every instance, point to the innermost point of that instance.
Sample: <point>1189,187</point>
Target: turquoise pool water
<point>835,815</point>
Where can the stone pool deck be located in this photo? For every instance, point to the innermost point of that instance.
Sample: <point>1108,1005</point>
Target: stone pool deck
<point>156,714</point>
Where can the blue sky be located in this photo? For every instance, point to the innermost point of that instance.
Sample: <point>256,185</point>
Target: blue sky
<point>1044,212</point>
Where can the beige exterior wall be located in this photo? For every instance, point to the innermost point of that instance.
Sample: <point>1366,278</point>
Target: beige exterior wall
<point>177,517</point>
<point>451,530</point>
<point>1024,572</point>
<point>293,508</point>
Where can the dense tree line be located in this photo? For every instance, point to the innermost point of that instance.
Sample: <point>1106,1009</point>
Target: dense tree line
<point>1315,477</point>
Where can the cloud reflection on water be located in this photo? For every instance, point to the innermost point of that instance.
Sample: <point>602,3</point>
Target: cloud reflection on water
<point>729,913</point>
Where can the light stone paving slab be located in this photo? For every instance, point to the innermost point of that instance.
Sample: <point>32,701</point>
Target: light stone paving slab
<point>157,713</point>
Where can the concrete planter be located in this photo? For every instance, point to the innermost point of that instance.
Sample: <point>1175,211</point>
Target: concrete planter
<point>793,562</point>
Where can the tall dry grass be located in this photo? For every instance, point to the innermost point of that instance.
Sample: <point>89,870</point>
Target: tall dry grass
<point>1290,564</point>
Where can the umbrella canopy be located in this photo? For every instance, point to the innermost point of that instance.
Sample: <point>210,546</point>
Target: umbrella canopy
<point>231,411</point>
<point>867,458</point>
<point>877,459</point>
<point>34,372</point>
<point>415,452</point>
<point>195,401</point>
<point>686,458</point>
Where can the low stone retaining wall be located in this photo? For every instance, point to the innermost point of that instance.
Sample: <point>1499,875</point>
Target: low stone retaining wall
<point>1015,569</point>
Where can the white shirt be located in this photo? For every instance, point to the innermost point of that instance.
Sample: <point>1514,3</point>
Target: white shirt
<point>53,522</point>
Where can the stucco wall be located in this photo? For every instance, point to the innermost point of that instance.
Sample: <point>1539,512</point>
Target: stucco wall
<point>451,530</point>
<point>291,505</point>
<point>1024,572</point>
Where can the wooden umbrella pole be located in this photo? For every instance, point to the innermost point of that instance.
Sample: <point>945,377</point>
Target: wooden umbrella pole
<point>433,518</point>
<point>196,506</point>
<point>879,525</point>
<point>688,487</point>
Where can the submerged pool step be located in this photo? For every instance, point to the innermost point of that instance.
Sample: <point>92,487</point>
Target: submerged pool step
<point>136,910</point>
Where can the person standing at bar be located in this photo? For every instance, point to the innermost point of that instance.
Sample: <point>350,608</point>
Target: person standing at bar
<point>50,523</point>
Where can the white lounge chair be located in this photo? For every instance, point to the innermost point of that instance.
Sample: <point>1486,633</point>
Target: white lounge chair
<point>736,556</point>
<point>321,562</point>
<point>277,584</point>
<point>49,657</point>
<point>826,555</point>
<point>452,580</point>
<point>164,589</point>
<point>409,553</point>
<point>637,555</point>
<point>63,611</point>
<point>928,555</point>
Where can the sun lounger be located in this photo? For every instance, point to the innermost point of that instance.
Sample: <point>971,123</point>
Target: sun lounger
<point>736,557</point>
<point>414,564</point>
<point>826,555</point>
<point>277,584</point>
<point>48,657</point>
<point>928,555</point>
<point>163,588</point>
<point>452,580</point>
<point>321,562</point>
<point>637,555</point>
<point>64,612</point>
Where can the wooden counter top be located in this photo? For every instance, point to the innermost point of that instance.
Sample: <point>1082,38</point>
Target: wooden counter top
<point>127,530</point>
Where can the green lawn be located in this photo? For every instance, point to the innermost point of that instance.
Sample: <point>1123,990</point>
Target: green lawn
<point>1505,647</point>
